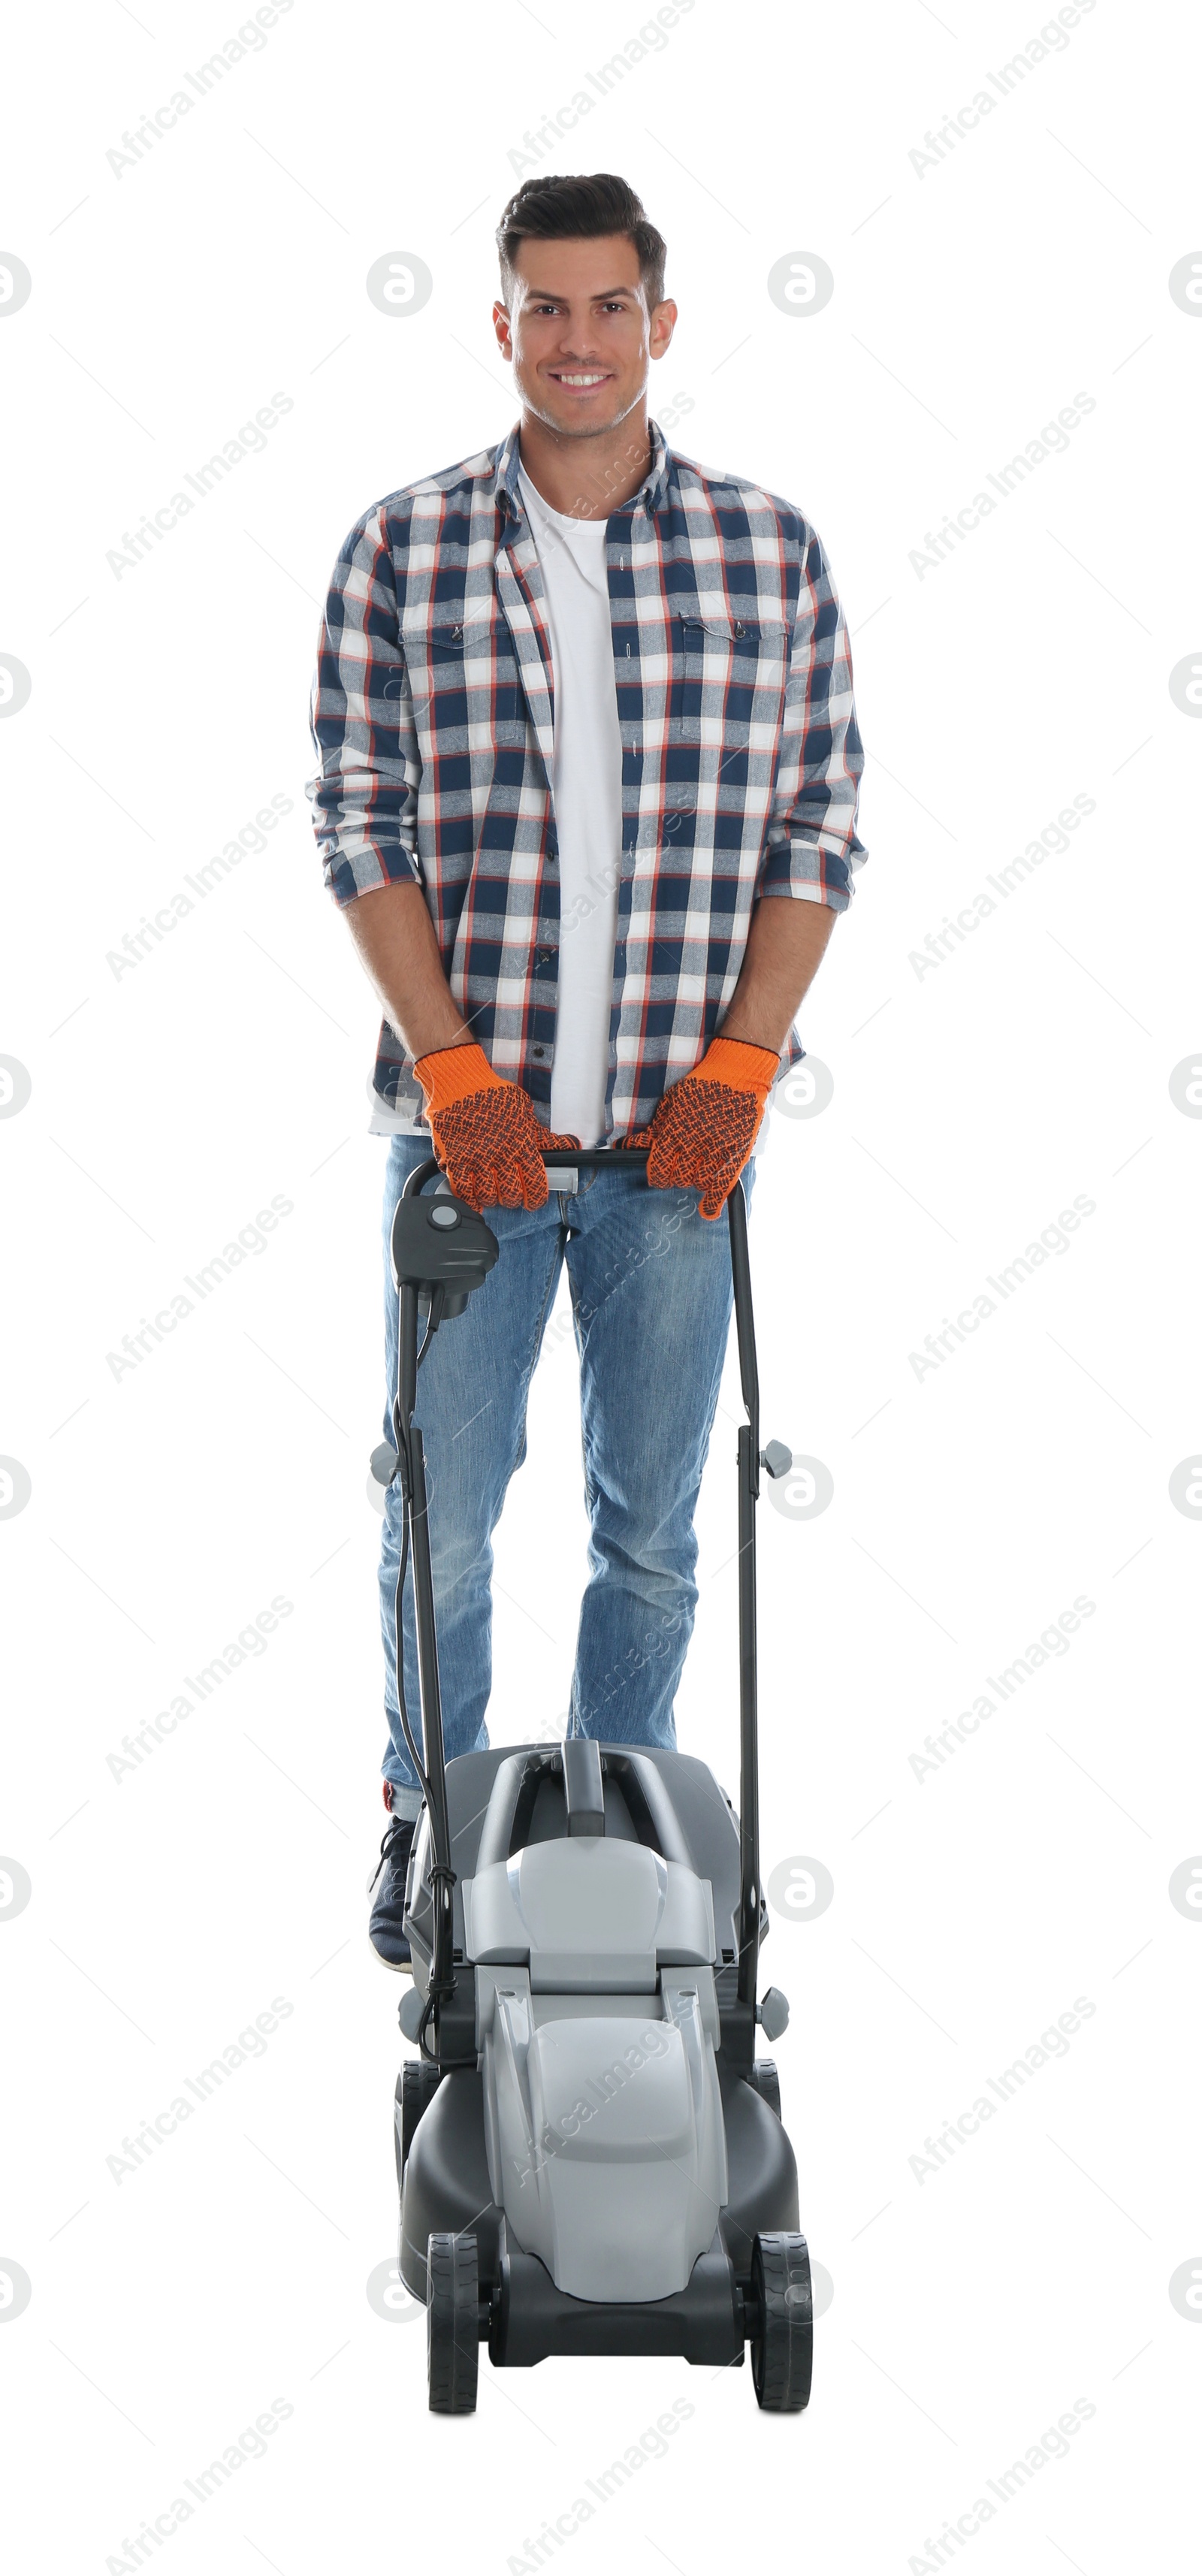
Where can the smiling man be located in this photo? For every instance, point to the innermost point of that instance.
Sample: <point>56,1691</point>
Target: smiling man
<point>587,792</point>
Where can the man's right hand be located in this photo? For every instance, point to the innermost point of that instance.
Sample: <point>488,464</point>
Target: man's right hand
<point>485,1133</point>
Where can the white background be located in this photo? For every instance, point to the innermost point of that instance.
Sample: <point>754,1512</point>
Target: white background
<point>971,1104</point>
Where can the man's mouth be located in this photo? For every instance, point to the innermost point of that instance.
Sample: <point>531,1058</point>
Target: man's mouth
<point>579,380</point>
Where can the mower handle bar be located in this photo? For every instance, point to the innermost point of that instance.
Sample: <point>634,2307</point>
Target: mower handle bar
<point>591,1158</point>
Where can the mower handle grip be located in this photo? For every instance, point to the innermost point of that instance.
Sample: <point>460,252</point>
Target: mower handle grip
<point>577,1157</point>
<point>588,1157</point>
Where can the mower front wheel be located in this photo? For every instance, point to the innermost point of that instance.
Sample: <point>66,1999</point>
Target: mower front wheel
<point>452,2324</point>
<point>782,2346</point>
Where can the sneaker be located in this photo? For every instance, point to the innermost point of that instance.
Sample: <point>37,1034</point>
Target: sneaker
<point>386,1888</point>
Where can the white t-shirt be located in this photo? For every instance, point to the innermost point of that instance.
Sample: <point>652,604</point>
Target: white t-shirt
<point>587,788</point>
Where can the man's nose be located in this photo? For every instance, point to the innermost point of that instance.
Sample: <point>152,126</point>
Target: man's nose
<point>579,342</point>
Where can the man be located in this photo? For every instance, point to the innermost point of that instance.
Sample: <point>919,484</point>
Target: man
<point>584,714</point>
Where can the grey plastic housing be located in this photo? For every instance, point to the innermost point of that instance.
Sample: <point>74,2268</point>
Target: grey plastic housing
<point>589,1915</point>
<point>605,2138</point>
<point>597,2021</point>
<point>410,2010</point>
<point>706,1831</point>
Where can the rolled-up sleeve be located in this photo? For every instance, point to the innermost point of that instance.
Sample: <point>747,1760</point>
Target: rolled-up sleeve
<point>364,796</point>
<point>812,849</point>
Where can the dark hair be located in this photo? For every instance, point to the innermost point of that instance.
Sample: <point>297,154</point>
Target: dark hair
<point>560,209</point>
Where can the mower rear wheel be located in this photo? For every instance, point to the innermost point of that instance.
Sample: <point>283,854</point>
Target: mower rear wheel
<point>782,2347</point>
<point>767,2082</point>
<point>452,2324</point>
<point>416,2086</point>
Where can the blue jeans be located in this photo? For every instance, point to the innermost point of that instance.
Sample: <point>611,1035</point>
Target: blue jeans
<point>651,1304</point>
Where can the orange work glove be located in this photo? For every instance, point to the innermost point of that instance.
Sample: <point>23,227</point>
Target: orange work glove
<point>485,1133</point>
<point>705,1126</point>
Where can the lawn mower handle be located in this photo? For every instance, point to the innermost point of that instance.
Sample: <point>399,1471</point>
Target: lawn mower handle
<point>593,1158</point>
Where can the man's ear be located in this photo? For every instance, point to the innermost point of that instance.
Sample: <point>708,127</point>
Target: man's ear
<point>663,324</point>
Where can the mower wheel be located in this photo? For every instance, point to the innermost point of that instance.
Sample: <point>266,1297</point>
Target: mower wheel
<point>452,2324</point>
<point>782,2347</point>
<point>766,2082</point>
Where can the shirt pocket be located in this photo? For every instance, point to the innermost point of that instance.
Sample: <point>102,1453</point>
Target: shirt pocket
<point>728,678</point>
<point>463,672</point>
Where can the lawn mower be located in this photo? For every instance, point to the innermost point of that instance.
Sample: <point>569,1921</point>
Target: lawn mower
<point>590,2154</point>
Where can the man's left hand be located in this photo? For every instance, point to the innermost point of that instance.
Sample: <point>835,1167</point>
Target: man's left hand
<point>705,1127</point>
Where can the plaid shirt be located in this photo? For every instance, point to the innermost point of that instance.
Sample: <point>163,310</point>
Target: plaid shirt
<point>432,718</point>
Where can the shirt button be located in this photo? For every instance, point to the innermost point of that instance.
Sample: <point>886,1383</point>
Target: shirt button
<point>740,630</point>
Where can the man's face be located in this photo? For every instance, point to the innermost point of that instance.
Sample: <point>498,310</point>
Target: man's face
<point>579,336</point>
